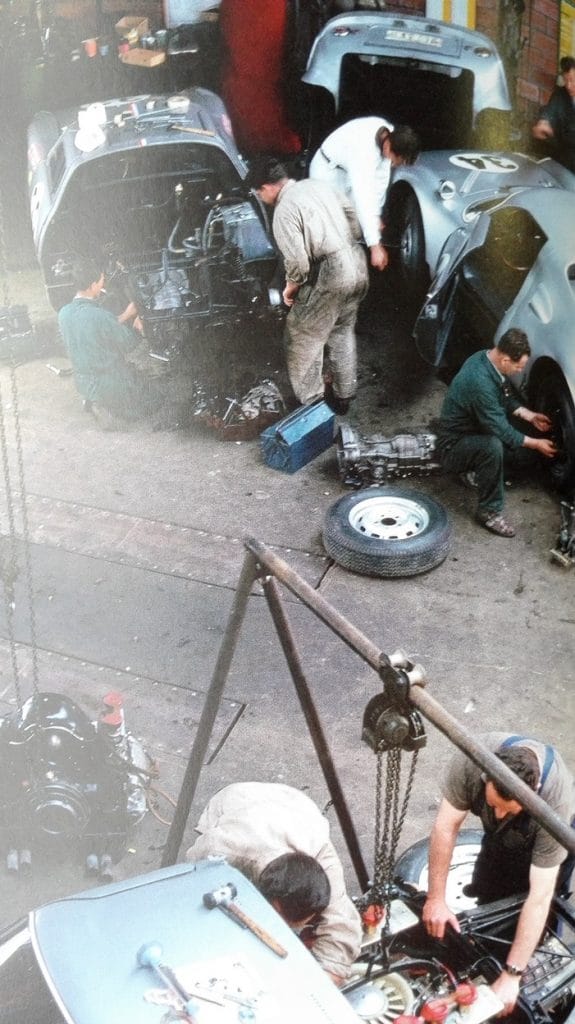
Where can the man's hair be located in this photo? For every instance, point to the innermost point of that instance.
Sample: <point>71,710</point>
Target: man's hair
<point>299,885</point>
<point>265,170</point>
<point>85,272</point>
<point>566,64</point>
<point>515,344</point>
<point>523,762</point>
<point>404,142</point>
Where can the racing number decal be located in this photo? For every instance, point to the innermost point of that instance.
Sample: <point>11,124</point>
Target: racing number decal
<point>484,162</point>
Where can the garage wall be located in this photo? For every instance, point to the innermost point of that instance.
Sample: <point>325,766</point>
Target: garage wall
<point>527,34</point>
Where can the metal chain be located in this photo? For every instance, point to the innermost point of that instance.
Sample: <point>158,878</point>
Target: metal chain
<point>390,813</point>
<point>11,567</point>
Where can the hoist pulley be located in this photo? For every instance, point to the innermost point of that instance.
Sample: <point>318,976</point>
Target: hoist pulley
<point>390,722</point>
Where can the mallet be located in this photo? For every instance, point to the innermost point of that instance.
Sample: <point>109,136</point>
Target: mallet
<point>224,899</point>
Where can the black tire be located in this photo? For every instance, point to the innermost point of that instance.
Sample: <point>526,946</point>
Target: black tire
<point>551,395</point>
<point>406,231</point>
<point>387,531</point>
<point>412,867</point>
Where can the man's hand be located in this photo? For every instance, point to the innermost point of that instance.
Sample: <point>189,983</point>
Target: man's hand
<point>542,445</point>
<point>289,293</point>
<point>506,988</point>
<point>436,915</point>
<point>542,130</point>
<point>378,256</point>
<point>539,420</point>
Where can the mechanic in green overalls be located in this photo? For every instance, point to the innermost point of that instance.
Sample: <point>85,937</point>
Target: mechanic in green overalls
<point>98,343</point>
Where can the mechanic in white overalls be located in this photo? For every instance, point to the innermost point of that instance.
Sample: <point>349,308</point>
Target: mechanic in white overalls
<point>357,158</point>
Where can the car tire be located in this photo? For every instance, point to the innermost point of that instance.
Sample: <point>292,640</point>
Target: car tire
<point>551,396</point>
<point>412,868</point>
<point>406,231</point>
<point>387,532</point>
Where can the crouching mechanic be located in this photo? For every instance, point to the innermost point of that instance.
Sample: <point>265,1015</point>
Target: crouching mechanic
<point>99,344</point>
<point>280,840</point>
<point>517,855</point>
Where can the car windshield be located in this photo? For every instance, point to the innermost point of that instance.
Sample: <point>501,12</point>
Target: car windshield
<point>24,995</point>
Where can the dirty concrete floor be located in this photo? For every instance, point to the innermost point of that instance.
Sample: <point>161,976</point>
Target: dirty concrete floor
<point>136,548</point>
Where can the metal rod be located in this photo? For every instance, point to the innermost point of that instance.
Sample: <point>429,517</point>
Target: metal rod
<point>426,704</point>
<point>209,711</point>
<point>315,729</point>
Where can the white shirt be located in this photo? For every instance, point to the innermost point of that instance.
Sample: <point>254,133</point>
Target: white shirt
<point>352,161</point>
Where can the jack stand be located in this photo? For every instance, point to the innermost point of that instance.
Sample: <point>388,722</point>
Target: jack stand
<point>564,550</point>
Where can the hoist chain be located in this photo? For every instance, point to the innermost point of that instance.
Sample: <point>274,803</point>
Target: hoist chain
<point>9,566</point>
<point>390,813</point>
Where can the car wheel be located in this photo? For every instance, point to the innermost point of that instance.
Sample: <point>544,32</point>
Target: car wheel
<point>551,396</point>
<point>387,531</point>
<point>407,232</point>
<point>413,868</point>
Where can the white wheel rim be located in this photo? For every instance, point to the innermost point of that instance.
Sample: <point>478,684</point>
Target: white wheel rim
<point>389,518</point>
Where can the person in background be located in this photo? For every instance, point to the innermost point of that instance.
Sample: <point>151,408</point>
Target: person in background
<point>556,121</point>
<point>358,158</point>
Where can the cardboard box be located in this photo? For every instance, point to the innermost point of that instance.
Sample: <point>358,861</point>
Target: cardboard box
<point>143,58</point>
<point>133,25</point>
<point>298,438</point>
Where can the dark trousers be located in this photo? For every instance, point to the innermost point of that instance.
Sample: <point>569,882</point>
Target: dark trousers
<point>487,457</point>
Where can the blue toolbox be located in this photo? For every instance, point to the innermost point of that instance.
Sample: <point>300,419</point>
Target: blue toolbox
<point>299,437</point>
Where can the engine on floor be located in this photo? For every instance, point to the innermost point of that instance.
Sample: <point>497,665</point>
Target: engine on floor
<point>376,459</point>
<point>69,781</point>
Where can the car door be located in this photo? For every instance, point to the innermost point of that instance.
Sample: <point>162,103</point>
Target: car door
<point>434,324</point>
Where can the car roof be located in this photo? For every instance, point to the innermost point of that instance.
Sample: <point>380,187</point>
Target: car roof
<point>193,115</point>
<point>87,947</point>
<point>408,38</point>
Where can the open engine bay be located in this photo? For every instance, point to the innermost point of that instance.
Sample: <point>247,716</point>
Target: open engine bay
<point>408,976</point>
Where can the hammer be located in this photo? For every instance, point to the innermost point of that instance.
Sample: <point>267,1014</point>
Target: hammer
<point>223,898</point>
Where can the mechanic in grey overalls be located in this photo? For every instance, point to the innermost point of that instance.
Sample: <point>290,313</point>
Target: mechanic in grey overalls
<point>517,854</point>
<point>318,235</point>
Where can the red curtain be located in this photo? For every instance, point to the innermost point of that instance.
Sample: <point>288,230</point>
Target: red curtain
<point>254,38</point>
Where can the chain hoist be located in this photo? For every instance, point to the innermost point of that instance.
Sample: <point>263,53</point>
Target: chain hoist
<point>9,570</point>
<point>391,726</point>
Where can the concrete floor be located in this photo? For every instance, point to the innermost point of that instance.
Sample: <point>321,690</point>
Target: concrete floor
<point>136,548</point>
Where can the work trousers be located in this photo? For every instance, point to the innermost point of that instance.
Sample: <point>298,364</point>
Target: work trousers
<point>487,457</point>
<point>322,322</point>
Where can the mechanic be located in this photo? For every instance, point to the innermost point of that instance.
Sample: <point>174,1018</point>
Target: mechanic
<point>98,343</point>
<point>556,120</point>
<point>517,855</point>
<point>357,158</point>
<point>475,435</point>
<point>318,235</point>
<point>254,825</point>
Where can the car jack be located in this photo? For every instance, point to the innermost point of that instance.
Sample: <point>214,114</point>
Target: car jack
<point>564,550</point>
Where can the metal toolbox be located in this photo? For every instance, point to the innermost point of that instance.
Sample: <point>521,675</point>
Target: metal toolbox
<point>298,438</point>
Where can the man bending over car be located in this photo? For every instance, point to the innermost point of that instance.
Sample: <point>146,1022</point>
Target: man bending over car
<point>517,854</point>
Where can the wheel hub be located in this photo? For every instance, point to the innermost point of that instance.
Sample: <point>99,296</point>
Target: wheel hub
<point>389,518</point>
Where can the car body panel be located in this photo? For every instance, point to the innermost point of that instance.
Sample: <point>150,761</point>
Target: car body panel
<point>87,949</point>
<point>544,302</point>
<point>151,187</point>
<point>412,60</point>
<point>452,186</point>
